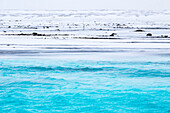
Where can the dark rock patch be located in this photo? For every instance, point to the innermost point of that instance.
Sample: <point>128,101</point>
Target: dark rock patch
<point>166,36</point>
<point>113,34</point>
<point>139,30</point>
<point>149,34</point>
<point>34,34</point>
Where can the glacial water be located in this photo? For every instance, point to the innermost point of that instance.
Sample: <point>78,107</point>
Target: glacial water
<point>86,86</point>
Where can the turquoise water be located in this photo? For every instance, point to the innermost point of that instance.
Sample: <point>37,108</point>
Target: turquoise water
<point>49,85</point>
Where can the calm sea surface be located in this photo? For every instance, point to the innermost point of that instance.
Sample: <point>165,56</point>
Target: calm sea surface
<point>88,86</point>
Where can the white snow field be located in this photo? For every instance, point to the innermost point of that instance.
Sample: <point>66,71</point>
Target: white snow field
<point>85,32</point>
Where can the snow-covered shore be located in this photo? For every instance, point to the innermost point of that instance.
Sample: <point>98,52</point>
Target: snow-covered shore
<point>50,33</point>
